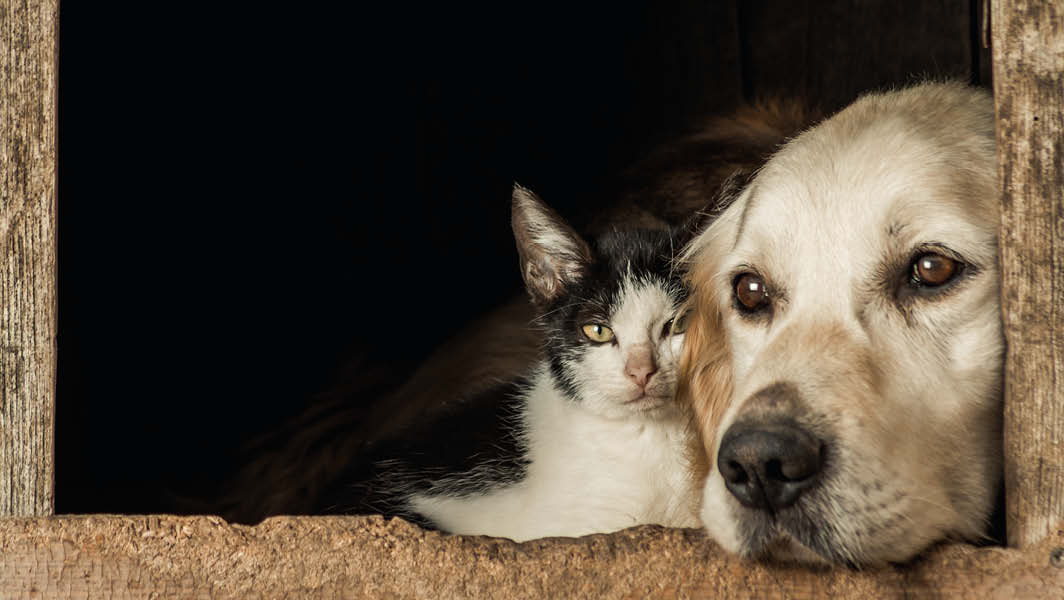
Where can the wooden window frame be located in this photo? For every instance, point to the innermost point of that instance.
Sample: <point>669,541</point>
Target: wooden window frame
<point>135,556</point>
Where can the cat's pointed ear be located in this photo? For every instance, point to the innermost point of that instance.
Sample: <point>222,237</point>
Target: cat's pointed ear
<point>552,254</point>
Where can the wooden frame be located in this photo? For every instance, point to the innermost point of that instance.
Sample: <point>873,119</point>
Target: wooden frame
<point>127,557</point>
<point>1028,42</point>
<point>28,58</point>
<point>368,557</point>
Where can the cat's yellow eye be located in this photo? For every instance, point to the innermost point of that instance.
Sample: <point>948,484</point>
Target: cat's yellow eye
<point>600,334</point>
<point>679,324</point>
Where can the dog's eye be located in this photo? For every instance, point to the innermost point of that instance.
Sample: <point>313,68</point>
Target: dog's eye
<point>750,292</point>
<point>933,270</point>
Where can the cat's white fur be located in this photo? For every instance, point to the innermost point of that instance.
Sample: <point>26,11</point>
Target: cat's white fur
<point>615,460</point>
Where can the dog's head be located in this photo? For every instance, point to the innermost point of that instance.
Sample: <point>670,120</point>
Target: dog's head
<point>844,356</point>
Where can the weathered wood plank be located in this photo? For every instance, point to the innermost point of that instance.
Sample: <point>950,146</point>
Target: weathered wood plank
<point>368,557</point>
<point>28,56</point>
<point>1028,46</point>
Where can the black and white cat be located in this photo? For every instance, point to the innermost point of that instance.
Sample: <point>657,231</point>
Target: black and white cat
<point>591,440</point>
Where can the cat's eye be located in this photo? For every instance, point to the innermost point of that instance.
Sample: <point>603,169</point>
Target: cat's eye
<point>751,294</point>
<point>600,334</point>
<point>676,325</point>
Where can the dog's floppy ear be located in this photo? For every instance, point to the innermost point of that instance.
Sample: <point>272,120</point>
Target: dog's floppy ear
<point>729,192</point>
<point>705,384</point>
<point>552,254</point>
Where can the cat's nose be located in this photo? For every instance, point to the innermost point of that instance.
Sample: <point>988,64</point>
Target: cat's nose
<point>639,366</point>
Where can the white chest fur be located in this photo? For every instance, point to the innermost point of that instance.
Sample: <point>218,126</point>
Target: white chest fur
<point>588,474</point>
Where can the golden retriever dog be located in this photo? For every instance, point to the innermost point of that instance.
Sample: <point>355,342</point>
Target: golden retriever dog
<point>844,357</point>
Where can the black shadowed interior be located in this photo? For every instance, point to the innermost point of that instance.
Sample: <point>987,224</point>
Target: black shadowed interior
<point>255,202</point>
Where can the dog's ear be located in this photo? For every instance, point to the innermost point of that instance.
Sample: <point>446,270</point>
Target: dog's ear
<point>705,384</point>
<point>552,254</point>
<point>729,191</point>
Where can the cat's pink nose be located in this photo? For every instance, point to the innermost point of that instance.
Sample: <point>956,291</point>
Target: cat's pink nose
<point>639,366</point>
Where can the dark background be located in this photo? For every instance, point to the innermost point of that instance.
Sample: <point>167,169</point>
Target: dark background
<point>250,196</point>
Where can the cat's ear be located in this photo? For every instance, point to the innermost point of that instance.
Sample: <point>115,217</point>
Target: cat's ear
<point>552,254</point>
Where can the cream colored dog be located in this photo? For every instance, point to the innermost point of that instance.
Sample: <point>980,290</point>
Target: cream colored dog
<point>844,359</point>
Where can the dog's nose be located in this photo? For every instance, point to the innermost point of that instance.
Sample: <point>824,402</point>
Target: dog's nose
<point>768,465</point>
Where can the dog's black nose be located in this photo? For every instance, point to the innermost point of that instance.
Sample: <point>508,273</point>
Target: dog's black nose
<point>767,465</point>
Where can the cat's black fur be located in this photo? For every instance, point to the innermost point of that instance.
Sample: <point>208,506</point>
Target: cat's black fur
<point>479,435</point>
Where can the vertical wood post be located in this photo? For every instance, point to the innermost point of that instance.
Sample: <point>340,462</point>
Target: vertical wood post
<point>1028,54</point>
<point>28,58</point>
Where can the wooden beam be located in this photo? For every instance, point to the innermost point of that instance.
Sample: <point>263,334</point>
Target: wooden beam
<point>28,58</point>
<point>1028,49</point>
<point>368,557</point>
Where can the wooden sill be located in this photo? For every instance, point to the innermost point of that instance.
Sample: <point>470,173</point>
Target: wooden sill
<point>354,557</point>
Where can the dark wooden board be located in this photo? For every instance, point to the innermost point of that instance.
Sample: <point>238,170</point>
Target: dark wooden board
<point>1029,97</point>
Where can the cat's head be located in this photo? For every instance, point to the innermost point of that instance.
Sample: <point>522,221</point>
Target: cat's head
<point>610,309</point>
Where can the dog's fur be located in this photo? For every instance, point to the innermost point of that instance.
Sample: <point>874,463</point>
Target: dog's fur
<point>901,386</point>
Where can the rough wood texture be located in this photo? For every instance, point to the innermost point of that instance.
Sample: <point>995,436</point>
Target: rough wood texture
<point>1028,45</point>
<point>28,53</point>
<point>349,557</point>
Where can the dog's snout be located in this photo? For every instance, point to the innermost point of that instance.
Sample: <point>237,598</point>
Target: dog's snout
<point>769,465</point>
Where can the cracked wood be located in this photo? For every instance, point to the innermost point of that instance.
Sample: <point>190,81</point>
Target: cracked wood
<point>28,52</point>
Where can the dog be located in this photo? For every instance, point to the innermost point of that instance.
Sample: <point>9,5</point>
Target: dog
<point>843,360</point>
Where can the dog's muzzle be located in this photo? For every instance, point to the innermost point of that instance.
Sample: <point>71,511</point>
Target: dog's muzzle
<point>767,459</point>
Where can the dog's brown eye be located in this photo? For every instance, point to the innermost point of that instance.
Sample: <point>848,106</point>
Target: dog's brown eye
<point>933,269</point>
<point>750,292</point>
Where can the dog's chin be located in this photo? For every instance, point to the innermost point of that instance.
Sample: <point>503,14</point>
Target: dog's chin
<point>784,538</point>
<point>792,535</point>
<point>786,549</point>
<point>808,537</point>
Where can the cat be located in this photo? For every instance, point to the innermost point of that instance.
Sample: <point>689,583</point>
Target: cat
<point>591,439</point>
<point>289,469</point>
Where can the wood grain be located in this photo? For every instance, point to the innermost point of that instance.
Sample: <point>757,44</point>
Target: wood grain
<point>1028,45</point>
<point>28,55</point>
<point>368,557</point>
